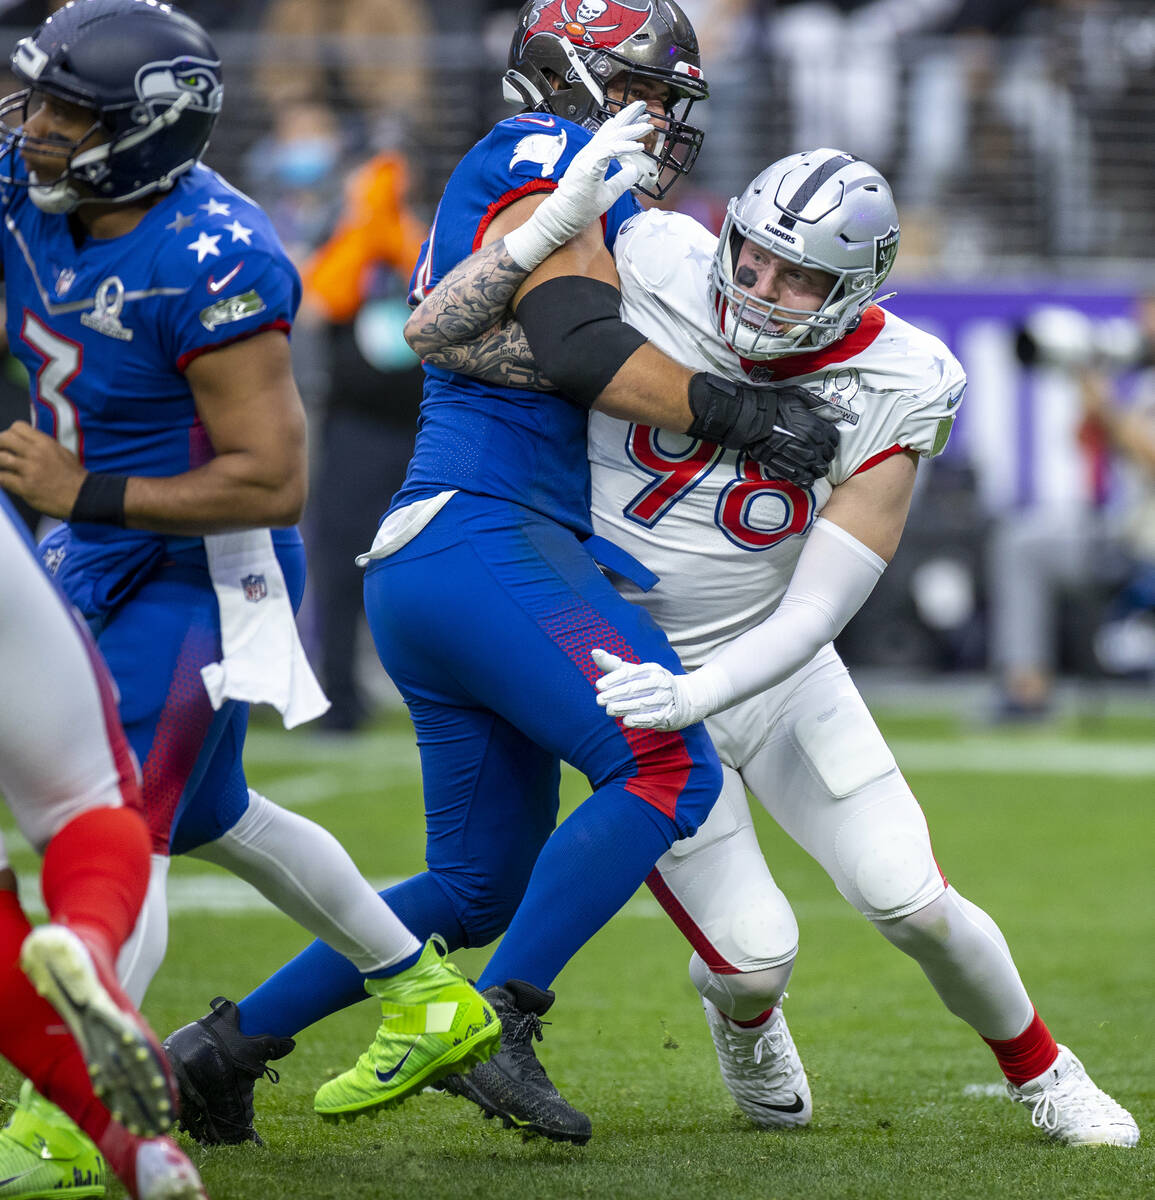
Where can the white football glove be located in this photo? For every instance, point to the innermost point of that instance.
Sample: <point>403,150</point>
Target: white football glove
<point>646,695</point>
<point>583,193</point>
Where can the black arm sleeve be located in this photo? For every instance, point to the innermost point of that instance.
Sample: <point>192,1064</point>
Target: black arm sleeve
<point>580,342</point>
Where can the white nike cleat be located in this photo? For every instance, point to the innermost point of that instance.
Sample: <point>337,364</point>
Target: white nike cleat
<point>762,1069</point>
<point>128,1068</point>
<point>1067,1106</point>
<point>163,1172</point>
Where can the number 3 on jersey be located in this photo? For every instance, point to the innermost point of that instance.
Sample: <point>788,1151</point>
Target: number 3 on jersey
<point>753,510</point>
<point>61,364</point>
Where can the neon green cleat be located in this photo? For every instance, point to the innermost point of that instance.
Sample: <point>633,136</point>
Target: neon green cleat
<point>433,1023</point>
<point>44,1153</point>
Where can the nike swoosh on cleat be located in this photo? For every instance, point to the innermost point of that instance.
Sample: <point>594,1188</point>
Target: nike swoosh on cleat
<point>16,1178</point>
<point>798,1105</point>
<point>215,285</point>
<point>387,1076</point>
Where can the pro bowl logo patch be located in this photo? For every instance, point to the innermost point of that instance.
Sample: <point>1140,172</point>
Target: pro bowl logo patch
<point>158,84</point>
<point>839,387</point>
<point>601,24</point>
<point>254,587</point>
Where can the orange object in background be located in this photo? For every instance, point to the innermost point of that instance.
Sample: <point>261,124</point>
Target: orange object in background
<point>376,228</point>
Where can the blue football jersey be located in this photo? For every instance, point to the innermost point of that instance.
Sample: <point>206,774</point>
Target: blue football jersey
<point>107,327</point>
<point>529,447</point>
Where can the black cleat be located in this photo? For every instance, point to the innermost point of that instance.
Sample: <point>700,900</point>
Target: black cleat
<point>216,1067</point>
<point>513,1085</point>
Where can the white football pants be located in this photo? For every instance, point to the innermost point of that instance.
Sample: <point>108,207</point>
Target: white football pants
<point>809,751</point>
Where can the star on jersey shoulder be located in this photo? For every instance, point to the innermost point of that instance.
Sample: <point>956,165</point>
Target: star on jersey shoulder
<point>214,208</point>
<point>205,245</point>
<point>240,232</point>
<point>180,222</point>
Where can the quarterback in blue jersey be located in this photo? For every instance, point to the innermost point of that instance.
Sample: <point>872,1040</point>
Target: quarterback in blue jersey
<point>151,303</point>
<point>485,588</point>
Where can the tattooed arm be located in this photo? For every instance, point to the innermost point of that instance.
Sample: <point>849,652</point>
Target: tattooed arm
<point>465,324</point>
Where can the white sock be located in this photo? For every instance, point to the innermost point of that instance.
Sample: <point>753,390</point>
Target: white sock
<point>308,875</point>
<point>143,952</point>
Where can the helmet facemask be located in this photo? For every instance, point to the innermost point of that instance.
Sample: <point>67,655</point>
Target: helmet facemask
<point>570,75</point>
<point>86,175</point>
<point>758,329</point>
<point>676,143</point>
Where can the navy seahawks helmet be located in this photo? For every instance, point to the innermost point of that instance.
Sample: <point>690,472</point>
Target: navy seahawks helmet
<point>564,53</point>
<point>152,80</point>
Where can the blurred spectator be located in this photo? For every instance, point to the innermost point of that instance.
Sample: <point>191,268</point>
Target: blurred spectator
<point>367,57</point>
<point>843,68</point>
<point>953,72</point>
<point>214,15</point>
<point>357,282</point>
<point>1042,554</point>
<point>293,171</point>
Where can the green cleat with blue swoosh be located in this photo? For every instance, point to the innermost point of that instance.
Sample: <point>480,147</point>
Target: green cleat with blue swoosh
<point>433,1024</point>
<point>44,1153</point>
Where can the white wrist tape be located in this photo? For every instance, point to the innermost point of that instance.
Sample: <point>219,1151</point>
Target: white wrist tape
<point>529,245</point>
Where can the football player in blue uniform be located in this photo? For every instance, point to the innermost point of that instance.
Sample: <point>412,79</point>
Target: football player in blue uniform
<point>485,588</point>
<point>151,303</point>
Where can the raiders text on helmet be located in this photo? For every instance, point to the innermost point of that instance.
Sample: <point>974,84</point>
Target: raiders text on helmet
<point>825,210</point>
<point>565,52</point>
<point>150,76</point>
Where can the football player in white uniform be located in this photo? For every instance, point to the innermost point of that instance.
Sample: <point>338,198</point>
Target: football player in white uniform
<point>754,580</point>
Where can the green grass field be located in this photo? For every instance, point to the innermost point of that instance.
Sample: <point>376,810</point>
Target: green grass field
<point>1051,832</point>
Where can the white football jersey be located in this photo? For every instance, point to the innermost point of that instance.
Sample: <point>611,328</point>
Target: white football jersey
<point>721,534</point>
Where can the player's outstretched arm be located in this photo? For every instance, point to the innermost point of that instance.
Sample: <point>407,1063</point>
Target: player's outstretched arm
<point>575,341</point>
<point>844,557</point>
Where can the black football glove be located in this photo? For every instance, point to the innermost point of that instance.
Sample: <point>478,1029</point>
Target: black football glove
<point>802,444</point>
<point>778,427</point>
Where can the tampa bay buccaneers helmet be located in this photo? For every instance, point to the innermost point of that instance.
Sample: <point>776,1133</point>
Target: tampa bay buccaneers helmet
<point>150,77</point>
<point>826,210</point>
<point>565,52</point>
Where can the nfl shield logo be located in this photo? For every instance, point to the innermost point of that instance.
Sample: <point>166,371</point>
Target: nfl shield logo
<point>255,588</point>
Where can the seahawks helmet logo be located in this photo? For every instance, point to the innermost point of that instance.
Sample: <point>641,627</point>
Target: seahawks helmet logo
<point>158,84</point>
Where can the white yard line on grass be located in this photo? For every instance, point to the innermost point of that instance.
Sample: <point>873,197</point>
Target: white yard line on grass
<point>1037,756</point>
<point>384,754</point>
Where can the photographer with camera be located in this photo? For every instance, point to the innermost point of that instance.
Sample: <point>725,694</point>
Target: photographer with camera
<point>1104,531</point>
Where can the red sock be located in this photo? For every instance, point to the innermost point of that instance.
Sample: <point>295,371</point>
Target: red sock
<point>119,1149</point>
<point>755,1022</point>
<point>1027,1056</point>
<point>95,874</point>
<point>33,1037</point>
